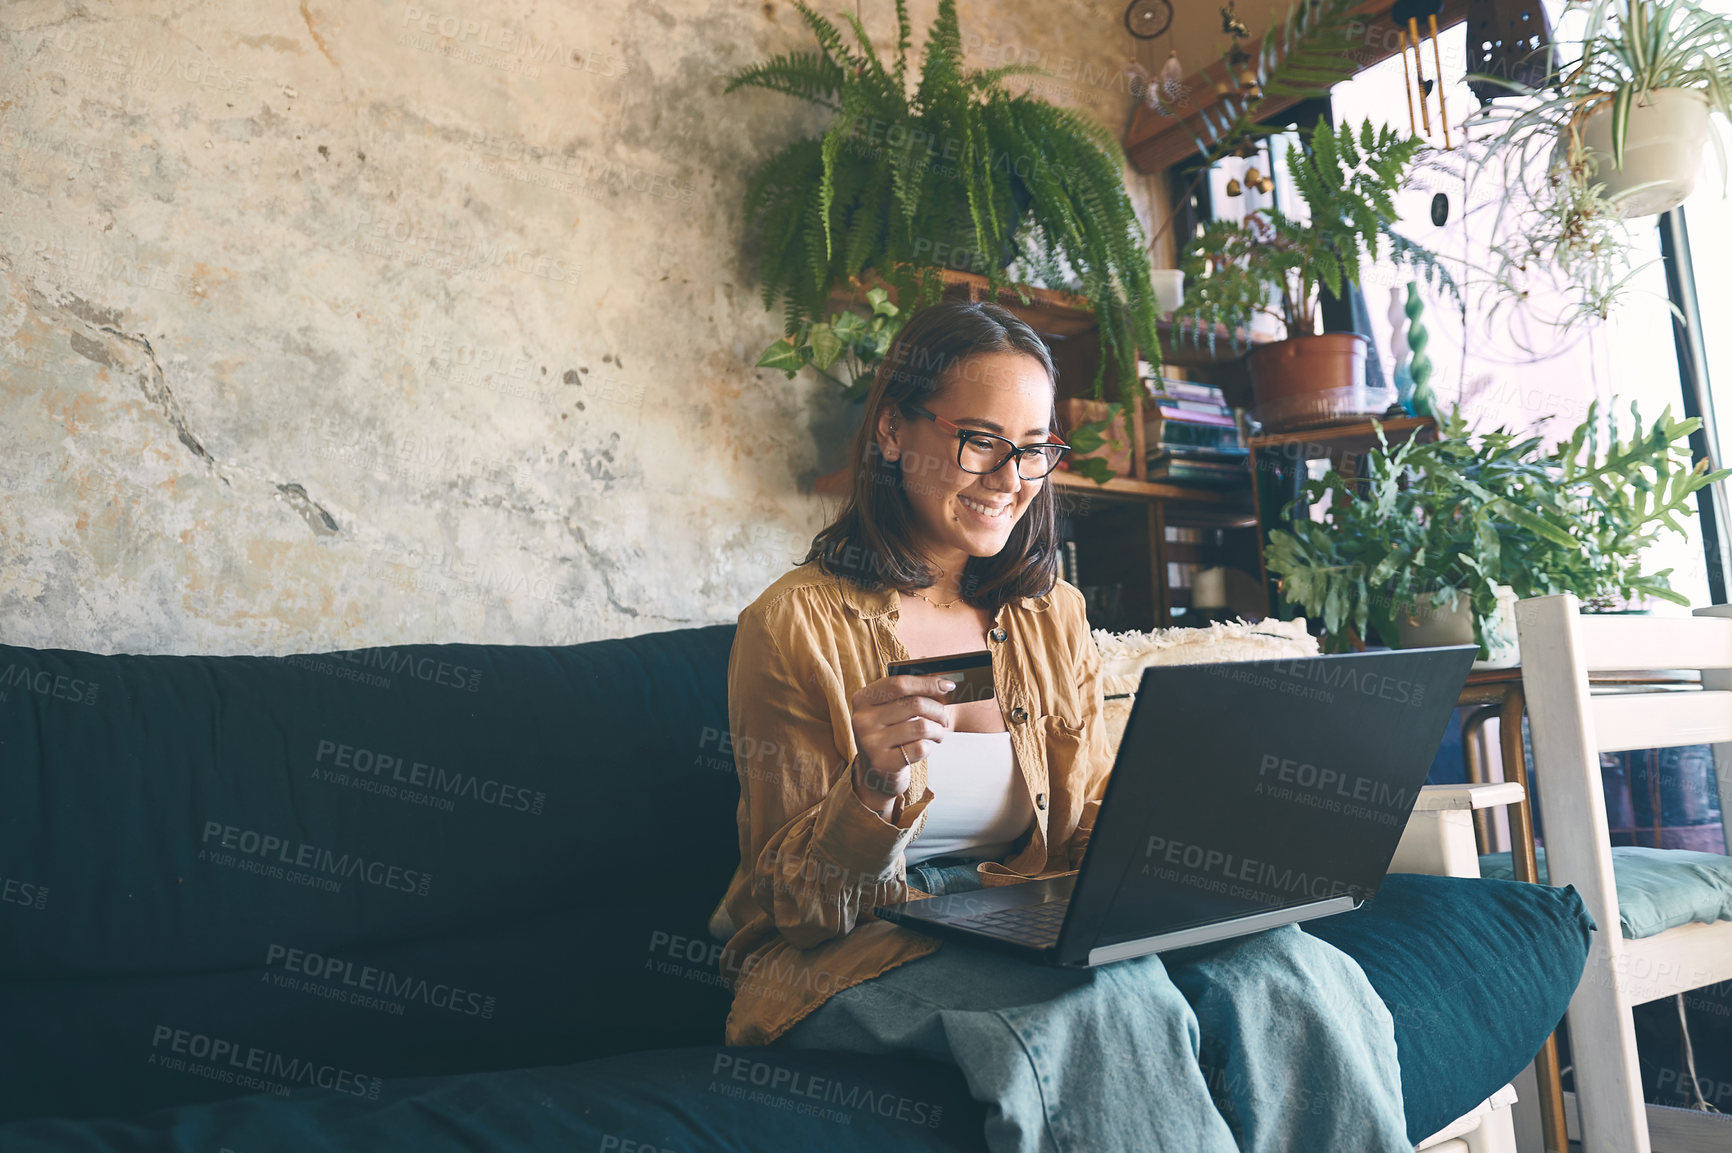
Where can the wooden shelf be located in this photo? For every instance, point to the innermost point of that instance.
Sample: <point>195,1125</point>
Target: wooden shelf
<point>1049,312</point>
<point>1127,488</point>
<point>1359,433</point>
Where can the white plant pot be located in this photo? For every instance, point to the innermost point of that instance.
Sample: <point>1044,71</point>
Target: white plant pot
<point>1169,286</point>
<point>1429,626</point>
<point>1662,150</point>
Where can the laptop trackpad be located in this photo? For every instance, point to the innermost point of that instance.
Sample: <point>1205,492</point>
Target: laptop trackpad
<point>960,906</point>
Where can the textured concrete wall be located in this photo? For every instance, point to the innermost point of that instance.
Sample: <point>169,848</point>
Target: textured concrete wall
<point>328,325</point>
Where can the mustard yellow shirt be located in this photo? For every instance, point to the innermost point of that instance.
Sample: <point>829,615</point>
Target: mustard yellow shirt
<point>814,859</point>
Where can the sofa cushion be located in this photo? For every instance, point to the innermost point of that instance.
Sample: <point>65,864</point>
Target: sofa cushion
<point>1476,973</point>
<point>1658,889</point>
<point>542,939</point>
<point>570,811</point>
<point>668,1101</point>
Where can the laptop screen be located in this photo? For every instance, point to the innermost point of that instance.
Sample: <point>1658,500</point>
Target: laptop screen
<point>1245,787</point>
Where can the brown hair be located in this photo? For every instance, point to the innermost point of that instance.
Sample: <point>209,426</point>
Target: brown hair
<point>871,541</point>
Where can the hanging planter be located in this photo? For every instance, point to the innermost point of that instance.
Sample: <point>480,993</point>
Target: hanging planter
<point>1613,130</point>
<point>1663,143</point>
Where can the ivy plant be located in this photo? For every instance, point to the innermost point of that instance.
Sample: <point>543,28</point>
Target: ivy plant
<point>849,341</point>
<point>1089,437</point>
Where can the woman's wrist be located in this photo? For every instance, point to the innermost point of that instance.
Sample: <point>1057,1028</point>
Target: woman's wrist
<point>860,772</point>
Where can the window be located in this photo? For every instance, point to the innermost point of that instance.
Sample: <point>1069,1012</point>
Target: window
<point>1517,370</point>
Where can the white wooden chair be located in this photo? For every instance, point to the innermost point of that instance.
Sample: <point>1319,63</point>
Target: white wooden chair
<point>1571,726</point>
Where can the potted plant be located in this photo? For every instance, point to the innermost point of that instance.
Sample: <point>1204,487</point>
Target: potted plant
<point>951,170</point>
<point>1273,263</point>
<point>1614,131</point>
<point>1434,529</point>
<point>1628,105</point>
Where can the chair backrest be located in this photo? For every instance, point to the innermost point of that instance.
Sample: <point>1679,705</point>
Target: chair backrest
<point>1562,651</point>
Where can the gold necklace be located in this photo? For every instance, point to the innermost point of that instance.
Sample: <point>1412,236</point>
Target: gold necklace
<point>936,604</point>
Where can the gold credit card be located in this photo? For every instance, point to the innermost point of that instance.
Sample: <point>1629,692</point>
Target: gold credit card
<point>972,673</point>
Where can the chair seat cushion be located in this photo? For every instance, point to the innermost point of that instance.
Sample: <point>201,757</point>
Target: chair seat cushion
<point>1658,889</point>
<point>1476,973</point>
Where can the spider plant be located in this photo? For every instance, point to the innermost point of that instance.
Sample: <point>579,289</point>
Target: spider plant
<point>1568,228</point>
<point>1644,46</point>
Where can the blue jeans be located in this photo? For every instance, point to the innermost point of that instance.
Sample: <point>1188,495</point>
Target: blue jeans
<point>1271,1043</point>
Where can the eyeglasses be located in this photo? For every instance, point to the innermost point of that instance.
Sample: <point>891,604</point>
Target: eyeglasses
<point>984,452</point>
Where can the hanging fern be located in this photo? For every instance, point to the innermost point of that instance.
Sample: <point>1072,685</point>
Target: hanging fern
<point>958,173</point>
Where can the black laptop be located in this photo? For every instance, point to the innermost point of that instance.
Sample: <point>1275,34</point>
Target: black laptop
<point>1245,796</point>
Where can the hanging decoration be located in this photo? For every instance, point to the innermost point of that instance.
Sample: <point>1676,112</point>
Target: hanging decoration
<point>1240,79</point>
<point>1512,38</point>
<point>1147,19</point>
<point>1407,15</point>
<point>1172,74</point>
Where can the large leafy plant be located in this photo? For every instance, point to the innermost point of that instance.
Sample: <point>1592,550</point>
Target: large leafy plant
<point>1563,231</point>
<point>1271,262</point>
<point>1458,517</point>
<point>953,162</point>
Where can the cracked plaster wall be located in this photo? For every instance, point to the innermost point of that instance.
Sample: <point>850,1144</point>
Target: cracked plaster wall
<point>334,325</point>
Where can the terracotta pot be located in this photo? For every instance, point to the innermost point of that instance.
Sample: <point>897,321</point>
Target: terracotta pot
<point>1662,151</point>
<point>1309,381</point>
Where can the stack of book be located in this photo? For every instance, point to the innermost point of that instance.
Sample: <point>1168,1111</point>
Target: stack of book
<point>1193,437</point>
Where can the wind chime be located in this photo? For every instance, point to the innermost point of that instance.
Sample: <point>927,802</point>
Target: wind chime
<point>1241,81</point>
<point>1407,15</point>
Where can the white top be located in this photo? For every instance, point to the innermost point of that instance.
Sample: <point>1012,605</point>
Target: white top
<point>979,802</point>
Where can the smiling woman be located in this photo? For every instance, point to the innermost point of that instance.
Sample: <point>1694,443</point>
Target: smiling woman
<point>933,503</point>
<point>861,787</point>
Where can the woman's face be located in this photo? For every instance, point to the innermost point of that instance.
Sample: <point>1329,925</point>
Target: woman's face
<point>963,514</point>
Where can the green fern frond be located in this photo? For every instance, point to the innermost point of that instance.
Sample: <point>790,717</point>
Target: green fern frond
<point>806,75</point>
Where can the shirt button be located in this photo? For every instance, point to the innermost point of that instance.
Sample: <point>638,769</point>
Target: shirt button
<point>999,635</point>
<point>1040,801</point>
<point>1019,714</point>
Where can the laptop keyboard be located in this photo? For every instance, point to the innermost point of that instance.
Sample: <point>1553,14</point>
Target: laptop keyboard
<point>1029,924</point>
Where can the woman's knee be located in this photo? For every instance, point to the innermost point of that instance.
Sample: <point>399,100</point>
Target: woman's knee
<point>1283,967</point>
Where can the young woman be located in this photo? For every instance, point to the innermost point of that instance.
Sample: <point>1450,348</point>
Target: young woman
<point>859,789</point>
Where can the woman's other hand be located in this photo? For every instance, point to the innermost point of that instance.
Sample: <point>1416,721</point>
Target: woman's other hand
<point>892,716</point>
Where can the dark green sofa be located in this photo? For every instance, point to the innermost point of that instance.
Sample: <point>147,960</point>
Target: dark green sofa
<point>454,897</point>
